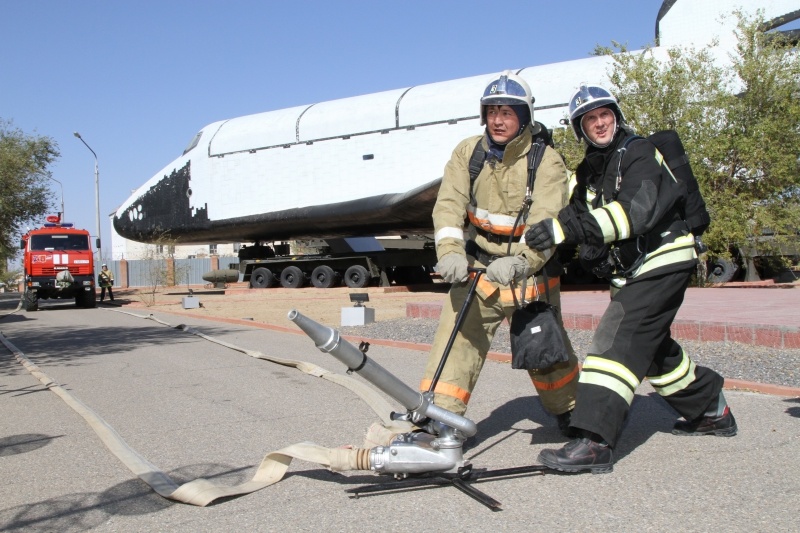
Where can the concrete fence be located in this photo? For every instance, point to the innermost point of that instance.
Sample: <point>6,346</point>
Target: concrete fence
<point>168,272</point>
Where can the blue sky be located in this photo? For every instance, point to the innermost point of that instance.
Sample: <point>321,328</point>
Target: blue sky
<point>139,79</point>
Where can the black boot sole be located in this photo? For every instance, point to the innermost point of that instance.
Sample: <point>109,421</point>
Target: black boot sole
<point>594,469</point>
<point>725,432</point>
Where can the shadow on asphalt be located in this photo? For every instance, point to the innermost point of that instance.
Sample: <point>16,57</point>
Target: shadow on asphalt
<point>24,443</point>
<point>43,344</point>
<point>648,415</point>
<point>793,411</point>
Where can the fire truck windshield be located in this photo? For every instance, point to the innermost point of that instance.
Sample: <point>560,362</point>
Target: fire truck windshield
<point>59,242</point>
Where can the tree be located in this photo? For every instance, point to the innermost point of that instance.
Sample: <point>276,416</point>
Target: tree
<point>159,268</point>
<point>740,122</point>
<point>24,187</point>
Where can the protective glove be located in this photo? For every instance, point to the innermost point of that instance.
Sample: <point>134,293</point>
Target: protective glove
<point>507,269</point>
<point>544,234</point>
<point>453,268</point>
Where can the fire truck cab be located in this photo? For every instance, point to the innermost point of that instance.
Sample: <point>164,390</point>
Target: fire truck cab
<point>58,263</point>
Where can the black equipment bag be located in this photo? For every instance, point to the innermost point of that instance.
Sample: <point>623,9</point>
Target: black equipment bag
<point>536,338</point>
<point>537,341</point>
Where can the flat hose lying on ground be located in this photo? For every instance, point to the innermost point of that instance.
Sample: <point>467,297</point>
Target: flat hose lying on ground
<point>19,306</point>
<point>273,467</point>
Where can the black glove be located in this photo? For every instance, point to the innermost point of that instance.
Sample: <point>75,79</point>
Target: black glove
<point>544,235</point>
<point>570,222</point>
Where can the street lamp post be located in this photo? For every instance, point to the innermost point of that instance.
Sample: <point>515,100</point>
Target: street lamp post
<point>96,194</point>
<point>62,196</point>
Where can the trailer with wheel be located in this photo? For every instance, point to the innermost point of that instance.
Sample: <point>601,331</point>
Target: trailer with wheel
<point>353,262</point>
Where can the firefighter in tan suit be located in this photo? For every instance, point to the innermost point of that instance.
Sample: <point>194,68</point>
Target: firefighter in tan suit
<point>473,224</point>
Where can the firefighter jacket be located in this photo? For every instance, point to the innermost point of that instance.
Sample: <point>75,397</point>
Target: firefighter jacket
<point>105,278</point>
<point>484,212</point>
<point>627,206</point>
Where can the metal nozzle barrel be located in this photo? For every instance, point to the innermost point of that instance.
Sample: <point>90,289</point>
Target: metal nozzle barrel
<point>328,340</point>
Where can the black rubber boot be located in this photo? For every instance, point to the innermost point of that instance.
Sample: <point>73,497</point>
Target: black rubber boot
<point>722,426</point>
<point>580,455</point>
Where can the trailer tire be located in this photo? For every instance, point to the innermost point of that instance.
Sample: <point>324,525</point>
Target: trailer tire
<point>262,278</point>
<point>357,277</point>
<point>292,277</point>
<point>721,270</point>
<point>323,277</point>
<point>30,301</point>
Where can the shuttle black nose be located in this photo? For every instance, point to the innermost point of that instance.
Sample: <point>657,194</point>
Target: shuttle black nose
<point>165,207</point>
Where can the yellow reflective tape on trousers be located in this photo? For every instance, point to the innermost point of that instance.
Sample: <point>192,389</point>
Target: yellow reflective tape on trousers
<point>680,371</point>
<point>609,382</point>
<point>679,385</point>
<point>594,362</point>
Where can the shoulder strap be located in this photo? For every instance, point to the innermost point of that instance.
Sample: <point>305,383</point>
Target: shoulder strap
<point>476,161</point>
<point>534,159</point>
<point>622,151</point>
<point>535,155</point>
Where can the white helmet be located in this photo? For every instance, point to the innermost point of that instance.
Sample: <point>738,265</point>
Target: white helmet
<point>587,98</point>
<point>509,89</point>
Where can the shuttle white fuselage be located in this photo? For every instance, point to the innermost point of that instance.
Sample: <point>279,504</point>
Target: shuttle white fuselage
<point>366,165</point>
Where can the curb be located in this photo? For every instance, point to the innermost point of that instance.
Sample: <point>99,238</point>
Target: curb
<point>782,337</point>
<point>730,384</point>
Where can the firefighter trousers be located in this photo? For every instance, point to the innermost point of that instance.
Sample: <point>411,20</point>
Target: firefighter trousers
<point>633,341</point>
<point>555,385</point>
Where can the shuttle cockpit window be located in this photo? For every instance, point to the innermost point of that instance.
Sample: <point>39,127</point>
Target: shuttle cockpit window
<point>194,142</point>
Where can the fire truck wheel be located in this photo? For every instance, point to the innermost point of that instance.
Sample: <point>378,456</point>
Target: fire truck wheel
<point>86,299</point>
<point>30,301</point>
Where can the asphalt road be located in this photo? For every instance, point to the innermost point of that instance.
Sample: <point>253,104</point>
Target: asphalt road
<point>197,409</point>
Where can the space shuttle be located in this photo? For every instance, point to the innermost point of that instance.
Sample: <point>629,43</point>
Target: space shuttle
<point>372,164</point>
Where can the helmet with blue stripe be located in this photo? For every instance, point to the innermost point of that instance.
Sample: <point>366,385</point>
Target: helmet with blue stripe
<point>588,98</point>
<point>508,89</point>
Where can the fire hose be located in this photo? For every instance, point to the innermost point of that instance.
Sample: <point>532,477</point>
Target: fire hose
<point>427,439</point>
<point>274,465</point>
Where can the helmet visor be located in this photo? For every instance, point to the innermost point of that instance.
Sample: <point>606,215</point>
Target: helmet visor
<point>588,98</point>
<point>504,92</point>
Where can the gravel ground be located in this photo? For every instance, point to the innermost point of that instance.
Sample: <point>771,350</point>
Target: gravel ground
<point>731,359</point>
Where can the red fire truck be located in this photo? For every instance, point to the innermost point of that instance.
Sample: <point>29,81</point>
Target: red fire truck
<point>58,263</point>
